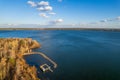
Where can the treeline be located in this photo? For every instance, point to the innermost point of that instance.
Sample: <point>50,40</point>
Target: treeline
<point>96,29</point>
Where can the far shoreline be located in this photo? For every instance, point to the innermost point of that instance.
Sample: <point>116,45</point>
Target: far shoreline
<point>95,29</point>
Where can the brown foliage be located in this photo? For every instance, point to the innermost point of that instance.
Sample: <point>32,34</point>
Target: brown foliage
<point>12,64</point>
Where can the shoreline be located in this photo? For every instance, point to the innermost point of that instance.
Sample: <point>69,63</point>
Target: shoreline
<point>94,29</point>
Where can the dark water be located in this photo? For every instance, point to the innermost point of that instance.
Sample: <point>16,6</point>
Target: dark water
<point>80,55</point>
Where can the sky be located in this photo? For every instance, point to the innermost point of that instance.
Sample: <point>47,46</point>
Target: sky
<point>80,13</point>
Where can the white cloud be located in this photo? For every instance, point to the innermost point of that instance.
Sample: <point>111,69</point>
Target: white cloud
<point>43,3</point>
<point>51,13</point>
<point>48,8</point>
<point>59,20</point>
<point>56,21</point>
<point>41,8</point>
<point>45,8</point>
<point>33,4</point>
<point>43,15</point>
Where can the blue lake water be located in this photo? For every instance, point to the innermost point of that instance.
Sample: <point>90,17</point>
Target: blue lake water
<point>80,55</point>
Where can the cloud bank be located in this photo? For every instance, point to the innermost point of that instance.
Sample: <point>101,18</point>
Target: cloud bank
<point>45,10</point>
<point>111,19</point>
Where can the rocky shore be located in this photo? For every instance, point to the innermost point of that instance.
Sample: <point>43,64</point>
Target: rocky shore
<point>12,64</point>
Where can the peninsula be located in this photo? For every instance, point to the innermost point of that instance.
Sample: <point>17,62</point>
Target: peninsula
<point>12,64</point>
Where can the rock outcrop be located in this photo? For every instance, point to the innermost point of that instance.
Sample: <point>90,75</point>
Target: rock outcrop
<point>12,64</point>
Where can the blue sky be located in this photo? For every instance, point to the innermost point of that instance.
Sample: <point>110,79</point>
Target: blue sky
<point>61,12</point>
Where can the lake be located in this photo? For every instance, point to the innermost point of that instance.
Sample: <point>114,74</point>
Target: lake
<point>80,54</point>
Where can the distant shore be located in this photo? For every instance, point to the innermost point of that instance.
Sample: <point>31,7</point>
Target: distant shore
<point>96,29</point>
